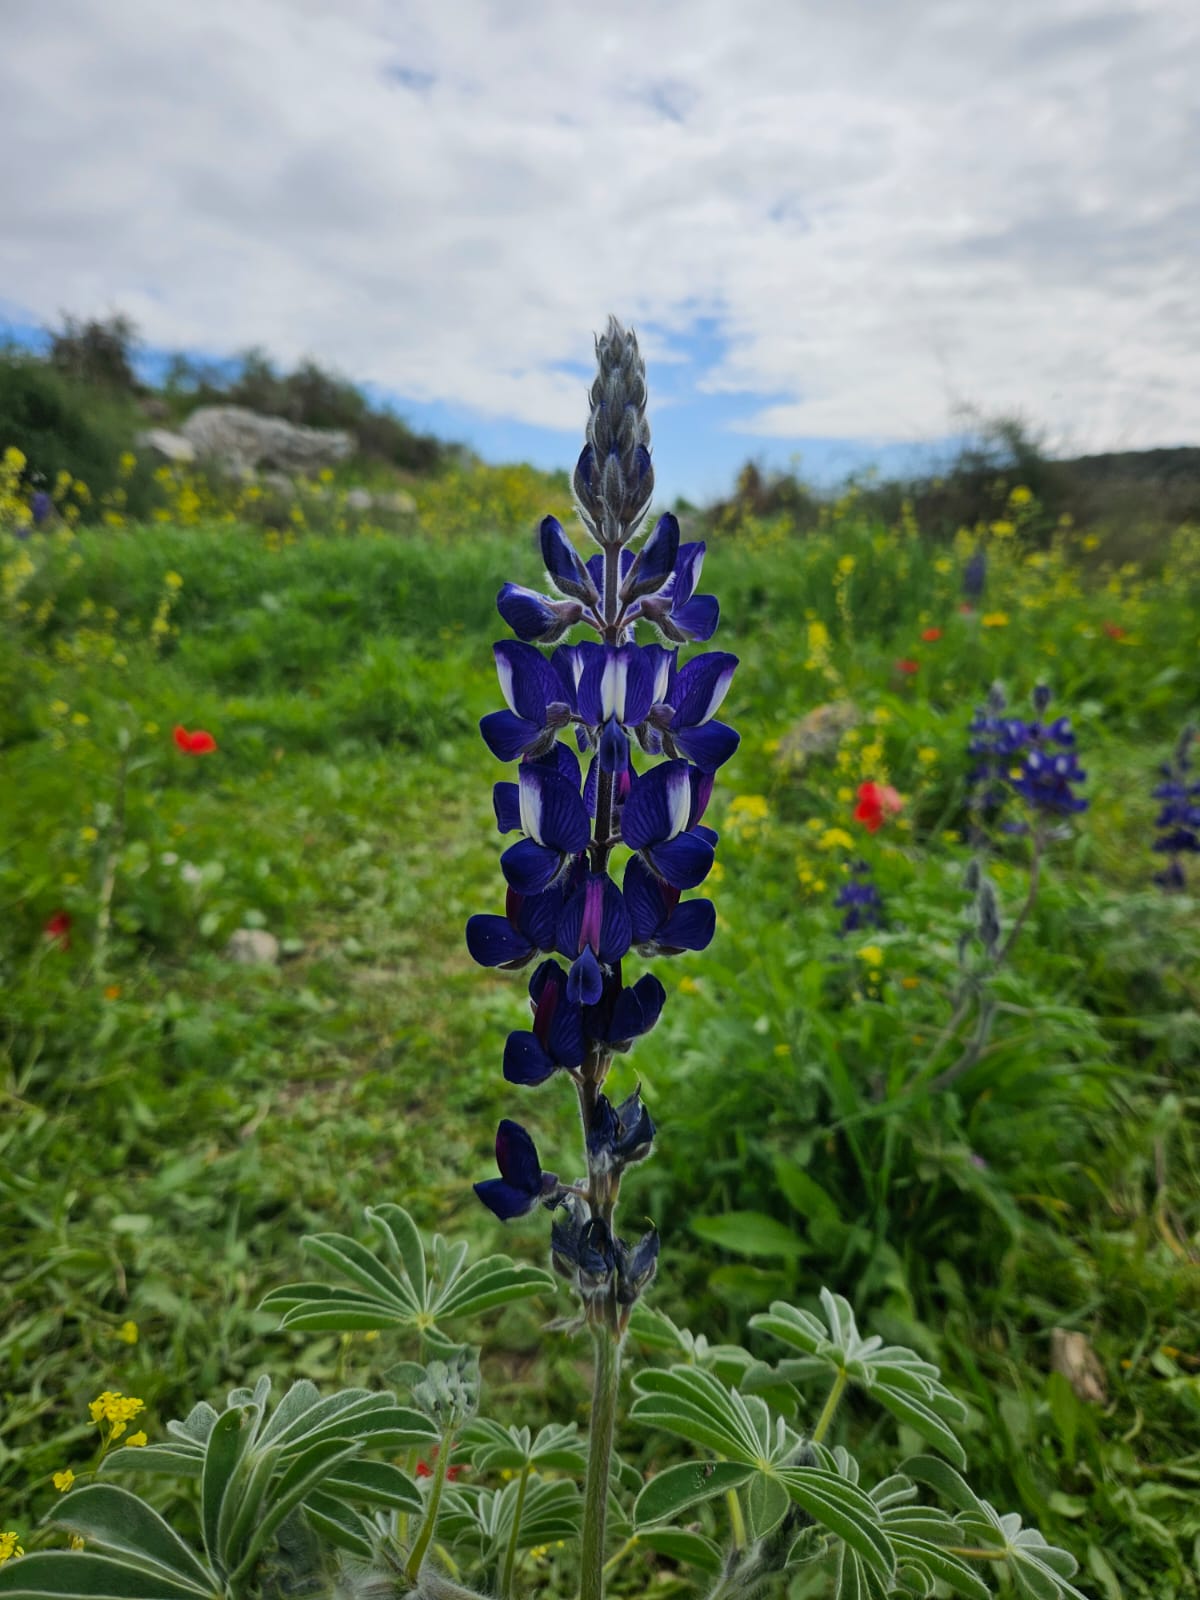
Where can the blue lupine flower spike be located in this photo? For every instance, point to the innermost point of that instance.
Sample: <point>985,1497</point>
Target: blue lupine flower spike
<point>1178,822</point>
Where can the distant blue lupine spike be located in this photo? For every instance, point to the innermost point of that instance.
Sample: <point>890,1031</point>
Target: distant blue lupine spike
<point>556,827</point>
<point>655,822</point>
<point>535,693</point>
<point>1178,822</point>
<point>677,611</point>
<point>974,578</point>
<point>697,693</point>
<point>522,1185</point>
<point>556,1040</point>
<point>41,508</point>
<point>534,617</point>
<point>655,561</point>
<point>860,900</point>
<point>659,924</point>
<point>593,931</point>
<point>1046,782</point>
<point>564,565</point>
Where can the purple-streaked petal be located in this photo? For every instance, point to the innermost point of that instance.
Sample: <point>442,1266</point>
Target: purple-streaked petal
<point>552,812</point>
<point>531,867</point>
<point>526,1061</point>
<point>507,807</point>
<point>659,805</point>
<point>688,566</point>
<point>709,745</point>
<point>527,680</point>
<point>683,861</point>
<point>537,917</point>
<point>563,761</point>
<point>700,687</point>
<point>508,736</point>
<point>565,568</point>
<point>494,942</point>
<point>655,561</point>
<point>616,934</point>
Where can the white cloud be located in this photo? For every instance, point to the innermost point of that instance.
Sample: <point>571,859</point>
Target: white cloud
<point>886,207</point>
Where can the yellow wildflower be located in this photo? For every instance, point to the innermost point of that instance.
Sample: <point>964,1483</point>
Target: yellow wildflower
<point>995,619</point>
<point>836,839</point>
<point>688,986</point>
<point>909,983</point>
<point>943,565</point>
<point>1021,496</point>
<point>871,953</point>
<point>173,581</point>
<point>8,1541</point>
<point>846,564</point>
<point>59,708</point>
<point>137,1439</point>
<point>88,835</point>
<point>63,1480</point>
<point>150,728</point>
<point>112,1406</point>
<point>927,755</point>
<point>128,1331</point>
<point>1003,529</point>
<point>81,719</point>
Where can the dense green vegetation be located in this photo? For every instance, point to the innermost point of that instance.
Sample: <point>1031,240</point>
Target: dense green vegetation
<point>172,1121</point>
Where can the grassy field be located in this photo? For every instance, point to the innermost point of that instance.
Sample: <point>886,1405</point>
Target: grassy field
<point>172,1122</point>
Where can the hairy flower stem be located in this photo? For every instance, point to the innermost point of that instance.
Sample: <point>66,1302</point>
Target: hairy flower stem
<point>825,1420</point>
<point>510,1556</point>
<point>605,1386</point>
<point>425,1535</point>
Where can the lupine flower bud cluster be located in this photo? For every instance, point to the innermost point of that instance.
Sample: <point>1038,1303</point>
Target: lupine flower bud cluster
<point>646,745</point>
<point>1178,823</point>
<point>1032,759</point>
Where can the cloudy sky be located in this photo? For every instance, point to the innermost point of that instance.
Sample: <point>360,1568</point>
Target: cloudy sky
<point>831,225</point>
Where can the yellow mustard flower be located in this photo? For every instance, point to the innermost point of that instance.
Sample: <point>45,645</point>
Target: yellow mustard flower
<point>136,1439</point>
<point>63,1480</point>
<point>59,708</point>
<point>88,835</point>
<point>80,719</point>
<point>872,954</point>
<point>9,1546</point>
<point>995,619</point>
<point>128,1331</point>
<point>836,839</point>
<point>1021,495</point>
<point>173,580</point>
<point>927,755</point>
<point>846,564</point>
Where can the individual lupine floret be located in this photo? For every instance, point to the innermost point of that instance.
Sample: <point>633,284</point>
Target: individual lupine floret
<point>528,928</point>
<point>659,821</point>
<point>522,1185</point>
<point>694,695</point>
<point>677,611</point>
<point>556,1040</point>
<point>623,1014</point>
<point>534,617</point>
<point>1178,823</point>
<point>660,925</point>
<point>538,703</point>
<point>616,691</point>
<point>619,1136</point>
<point>555,822</point>
<point>594,932</point>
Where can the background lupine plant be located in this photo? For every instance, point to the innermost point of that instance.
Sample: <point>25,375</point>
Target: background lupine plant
<point>1178,822</point>
<point>354,1494</point>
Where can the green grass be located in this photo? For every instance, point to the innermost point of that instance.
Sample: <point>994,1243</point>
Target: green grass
<point>172,1123</point>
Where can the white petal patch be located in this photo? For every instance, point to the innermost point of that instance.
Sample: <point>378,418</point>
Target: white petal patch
<point>530,791</point>
<point>505,673</point>
<point>720,689</point>
<point>612,686</point>
<point>679,801</point>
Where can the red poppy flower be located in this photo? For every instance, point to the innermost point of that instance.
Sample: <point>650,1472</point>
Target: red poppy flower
<point>57,930</point>
<point>931,635</point>
<point>876,803</point>
<point>907,667</point>
<point>198,743</point>
<point>1114,630</point>
<point>453,1472</point>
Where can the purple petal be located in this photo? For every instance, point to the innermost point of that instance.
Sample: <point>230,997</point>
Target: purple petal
<point>517,1157</point>
<point>683,862</point>
<point>637,1009</point>
<point>531,867</point>
<point>566,570</point>
<point>534,617</point>
<point>689,927</point>
<point>661,662</point>
<point>709,746</point>
<point>658,806</point>
<point>644,901</point>
<point>527,680</point>
<point>585,984</point>
<point>508,736</point>
<point>494,942</point>
<point>655,560</point>
<point>552,812</point>
<point>700,687</point>
<point>526,1061</point>
<point>504,1200</point>
<point>688,566</point>
<point>614,747</point>
<point>698,619</point>
<point>537,917</point>
<point>507,807</point>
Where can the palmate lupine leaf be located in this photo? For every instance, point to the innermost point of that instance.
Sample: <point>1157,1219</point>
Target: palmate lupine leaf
<point>258,1472</point>
<point>693,1404</point>
<point>86,1575</point>
<point>1039,1571</point>
<point>676,1488</point>
<point>897,1378</point>
<point>495,1448</point>
<point>484,1517</point>
<point>397,1285</point>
